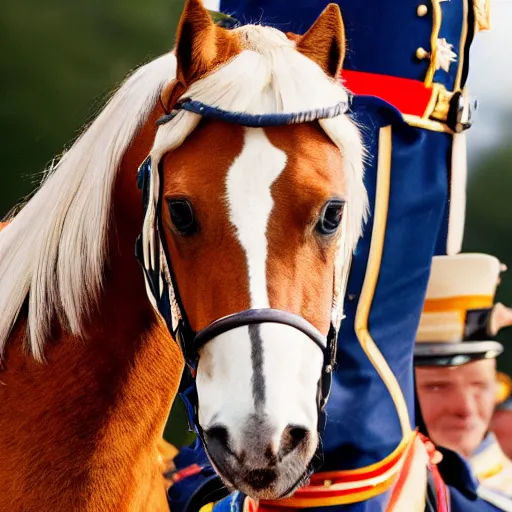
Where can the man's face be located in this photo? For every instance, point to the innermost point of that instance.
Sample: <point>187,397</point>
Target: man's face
<point>457,403</point>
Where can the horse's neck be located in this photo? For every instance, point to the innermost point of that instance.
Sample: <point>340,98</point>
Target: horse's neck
<point>80,432</point>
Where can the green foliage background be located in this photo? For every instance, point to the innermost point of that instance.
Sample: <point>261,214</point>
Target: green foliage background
<point>62,58</point>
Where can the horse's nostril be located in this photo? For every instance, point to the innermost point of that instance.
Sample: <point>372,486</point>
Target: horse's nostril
<point>218,435</point>
<point>297,434</point>
<point>260,478</point>
<point>293,436</point>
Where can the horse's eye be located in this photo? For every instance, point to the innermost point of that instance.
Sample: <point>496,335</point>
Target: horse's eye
<point>330,218</point>
<point>182,216</point>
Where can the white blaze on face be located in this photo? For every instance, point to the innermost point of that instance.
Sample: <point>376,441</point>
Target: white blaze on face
<point>289,362</point>
<point>249,183</point>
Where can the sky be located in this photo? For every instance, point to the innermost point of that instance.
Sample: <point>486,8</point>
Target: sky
<point>490,81</point>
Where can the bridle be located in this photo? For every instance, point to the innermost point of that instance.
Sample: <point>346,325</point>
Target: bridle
<point>161,283</point>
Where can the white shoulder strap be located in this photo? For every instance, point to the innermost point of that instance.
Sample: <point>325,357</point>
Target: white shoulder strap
<point>495,498</point>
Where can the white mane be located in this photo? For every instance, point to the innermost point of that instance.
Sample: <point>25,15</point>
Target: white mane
<point>54,250</point>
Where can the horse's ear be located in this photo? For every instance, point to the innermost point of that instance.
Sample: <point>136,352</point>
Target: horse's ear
<point>195,42</point>
<point>201,45</point>
<point>324,42</point>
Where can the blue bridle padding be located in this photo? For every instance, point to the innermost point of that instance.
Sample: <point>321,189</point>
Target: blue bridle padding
<point>256,120</point>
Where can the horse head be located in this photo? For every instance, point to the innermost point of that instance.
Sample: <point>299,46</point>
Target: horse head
<point>254,203</point>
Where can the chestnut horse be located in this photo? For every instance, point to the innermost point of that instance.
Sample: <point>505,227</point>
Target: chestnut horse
<point>252,218</point>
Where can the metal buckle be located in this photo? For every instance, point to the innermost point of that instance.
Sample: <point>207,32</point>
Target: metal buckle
<point>455,109</point>
<point>460,113</point>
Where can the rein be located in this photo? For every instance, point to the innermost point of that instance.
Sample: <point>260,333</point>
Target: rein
<point>161,286</point>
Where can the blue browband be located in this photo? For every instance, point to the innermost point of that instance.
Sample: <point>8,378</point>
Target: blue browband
<point>256,120</point>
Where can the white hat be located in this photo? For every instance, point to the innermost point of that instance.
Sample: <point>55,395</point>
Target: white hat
<point>459,318</point>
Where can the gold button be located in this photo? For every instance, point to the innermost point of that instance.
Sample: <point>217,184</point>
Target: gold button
<point>422,10</point>
<point>327,483</point>
<point>421,54</point>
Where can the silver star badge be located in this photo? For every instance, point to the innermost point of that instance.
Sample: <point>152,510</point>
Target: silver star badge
<point>444,55</point>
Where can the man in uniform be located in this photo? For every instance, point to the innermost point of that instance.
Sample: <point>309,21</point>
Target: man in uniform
<point>406,63</point>
<point>455,365</point>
